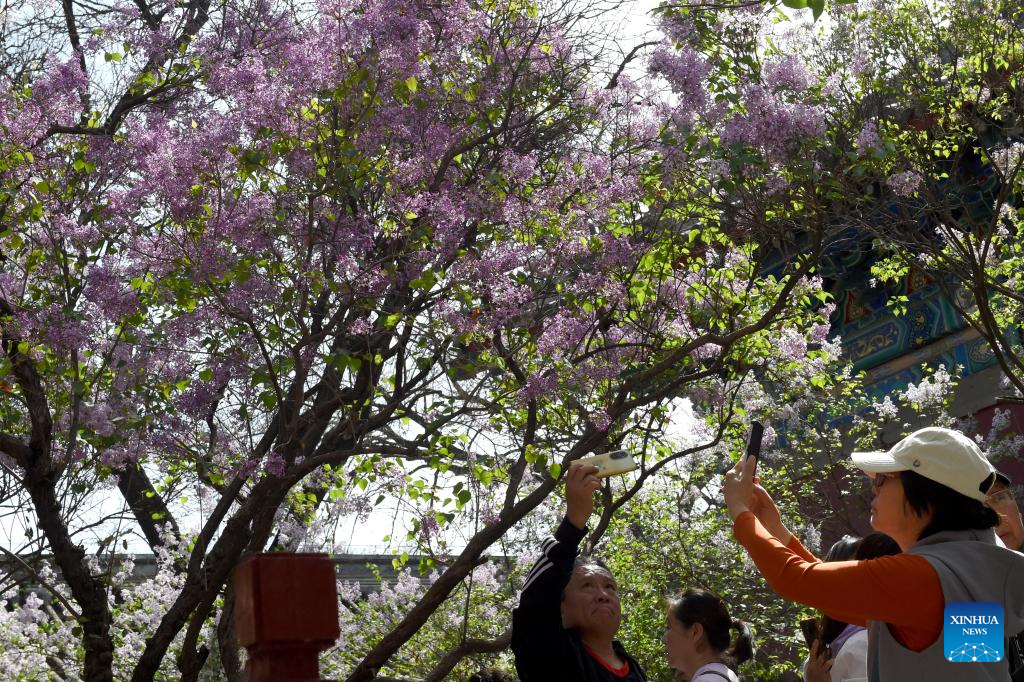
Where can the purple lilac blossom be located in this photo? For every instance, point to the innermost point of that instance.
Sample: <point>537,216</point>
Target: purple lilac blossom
<point>868,137</point>
<point>904,184</point>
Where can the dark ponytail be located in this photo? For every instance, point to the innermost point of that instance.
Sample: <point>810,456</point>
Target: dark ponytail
<point>843,549</point>
<point>871,546</point>
<point>707,608</point>
<point>742,648</point>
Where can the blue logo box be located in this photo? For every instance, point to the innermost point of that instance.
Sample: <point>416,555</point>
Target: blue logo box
<point>973,632</point>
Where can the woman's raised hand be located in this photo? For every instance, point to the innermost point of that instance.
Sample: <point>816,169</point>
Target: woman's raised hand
<point>738,486</point>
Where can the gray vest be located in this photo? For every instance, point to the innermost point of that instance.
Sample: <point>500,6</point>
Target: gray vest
<point>971,567</point>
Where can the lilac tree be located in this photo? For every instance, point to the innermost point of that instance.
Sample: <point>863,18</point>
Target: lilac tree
<point>946,161</point>
<point>921,104</point>
<point>261,258</point>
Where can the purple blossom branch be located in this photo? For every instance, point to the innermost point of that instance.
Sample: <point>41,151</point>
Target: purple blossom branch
<point>197,12</point>
<point>613,82</point>
<point>76,46</point>
<point>805,265</point>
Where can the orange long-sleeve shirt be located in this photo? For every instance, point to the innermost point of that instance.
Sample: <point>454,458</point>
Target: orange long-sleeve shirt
<point>902,590</point>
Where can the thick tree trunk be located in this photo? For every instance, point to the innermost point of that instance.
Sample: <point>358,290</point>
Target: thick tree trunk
<point>227,639</point>
<point>89,592</point>
<point>40,480</point>
<point>146,504</point>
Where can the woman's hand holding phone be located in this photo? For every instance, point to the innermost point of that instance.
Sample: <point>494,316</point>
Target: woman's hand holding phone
<point>738,486</point>
<point>761,503</point>
<point>819,663</point>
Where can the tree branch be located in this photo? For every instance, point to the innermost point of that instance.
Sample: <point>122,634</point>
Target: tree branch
<point>468,648</point>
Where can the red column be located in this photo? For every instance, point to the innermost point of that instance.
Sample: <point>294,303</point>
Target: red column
<point>286,613</point>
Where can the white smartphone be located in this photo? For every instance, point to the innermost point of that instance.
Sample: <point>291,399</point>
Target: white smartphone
<point>610,463</point>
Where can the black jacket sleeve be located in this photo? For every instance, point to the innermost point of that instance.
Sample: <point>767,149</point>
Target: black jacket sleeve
<point>543,649</point>
<point>1016,657</point>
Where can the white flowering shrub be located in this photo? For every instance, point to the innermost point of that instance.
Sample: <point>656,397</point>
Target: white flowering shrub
<point>482,609</point>
<point>40,637</point>
<point>35,644</point>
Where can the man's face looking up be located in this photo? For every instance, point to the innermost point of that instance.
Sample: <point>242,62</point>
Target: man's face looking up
<point>591,601</point>
<point>1011,527</point>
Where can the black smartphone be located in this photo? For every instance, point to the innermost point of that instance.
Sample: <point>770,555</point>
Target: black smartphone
<point>809,629</point>
<point>754,440</point>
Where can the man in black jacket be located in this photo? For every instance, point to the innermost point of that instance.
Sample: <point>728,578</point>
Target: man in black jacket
<point>569,611</point>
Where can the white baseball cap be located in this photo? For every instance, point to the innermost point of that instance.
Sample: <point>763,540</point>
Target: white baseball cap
<point>943,455</point>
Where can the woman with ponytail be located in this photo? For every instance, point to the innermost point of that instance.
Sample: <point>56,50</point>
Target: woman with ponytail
<point>841,652</point>
<point>697,638</point>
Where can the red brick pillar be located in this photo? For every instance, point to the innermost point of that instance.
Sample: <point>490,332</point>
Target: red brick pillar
<point>286,613</point>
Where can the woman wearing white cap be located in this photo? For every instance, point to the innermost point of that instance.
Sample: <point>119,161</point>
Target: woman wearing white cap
<point>929,493</point>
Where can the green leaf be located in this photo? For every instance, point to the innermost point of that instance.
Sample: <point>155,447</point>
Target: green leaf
<point>485,476</point>
<point>795,4</point>
<point>817,7</point>
<point>411,83</point>
<point>424,281</point>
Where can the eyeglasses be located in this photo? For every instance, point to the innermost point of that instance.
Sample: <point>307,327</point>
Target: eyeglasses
<point>879,480</point>
<point>1000,499</point>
